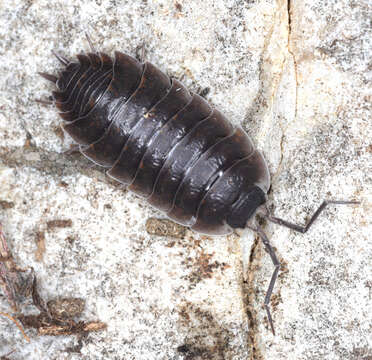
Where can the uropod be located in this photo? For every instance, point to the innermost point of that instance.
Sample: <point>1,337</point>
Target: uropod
<point>168,145</point>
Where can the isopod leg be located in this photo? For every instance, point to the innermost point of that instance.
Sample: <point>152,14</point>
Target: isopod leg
<point>61,58</point>
<point>303,229</point>
<point>142,53</point>
<point>274,276</point>
<point>74,149</point>
<point>49,77</point>
<point>44,102</point>
<point>90,43</point>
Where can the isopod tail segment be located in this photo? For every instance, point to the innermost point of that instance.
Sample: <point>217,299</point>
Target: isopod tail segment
<point>49,77</point>
<point>52,78</point>
<point>61,59</point>
<point>299,228</point>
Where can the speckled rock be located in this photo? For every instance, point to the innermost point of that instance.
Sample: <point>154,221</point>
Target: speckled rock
<point>298,80</point>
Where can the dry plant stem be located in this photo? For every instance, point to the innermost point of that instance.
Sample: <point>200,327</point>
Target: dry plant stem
<point>7,271</point>
<point>16,286</point>
<point>17,323</point>
<point>5,357</point>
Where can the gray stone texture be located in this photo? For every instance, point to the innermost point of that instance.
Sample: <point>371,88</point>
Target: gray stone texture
<point>297,77</point>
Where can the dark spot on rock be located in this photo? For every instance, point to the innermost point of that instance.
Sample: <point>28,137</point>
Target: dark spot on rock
<point>4,204</point>
<point>203,267</point>
<point>52,224</point>
<point>70,240</point>
<point>68,308</point>
<point>204,92</point>
<point>59,132</point>
<point>63,184</point>
<point>178,6</point>
<point>40,246</point>
<point>206,339</point>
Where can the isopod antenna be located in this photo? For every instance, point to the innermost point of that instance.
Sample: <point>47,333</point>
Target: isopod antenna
<point>299,228</point>
<point>303,229</point>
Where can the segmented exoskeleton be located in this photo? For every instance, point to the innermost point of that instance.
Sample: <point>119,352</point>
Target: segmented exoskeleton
<point>167,144</point>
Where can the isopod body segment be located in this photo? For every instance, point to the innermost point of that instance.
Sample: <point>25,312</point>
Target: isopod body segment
<point>166,143</point>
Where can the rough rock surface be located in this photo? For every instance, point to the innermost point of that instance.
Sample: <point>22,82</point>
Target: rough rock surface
<point>297,77</point>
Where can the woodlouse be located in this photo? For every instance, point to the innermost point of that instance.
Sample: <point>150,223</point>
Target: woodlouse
<point>168,145</point>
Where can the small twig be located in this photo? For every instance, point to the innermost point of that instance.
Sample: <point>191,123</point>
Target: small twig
<point>6,267</point>
<point>5,357</point>
<point>16,286</point>
<point>38,300</point>
<point>17,323</point>
<point>4,251</point>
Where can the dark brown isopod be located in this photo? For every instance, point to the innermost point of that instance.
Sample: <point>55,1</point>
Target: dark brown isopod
<point>167,144</point>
